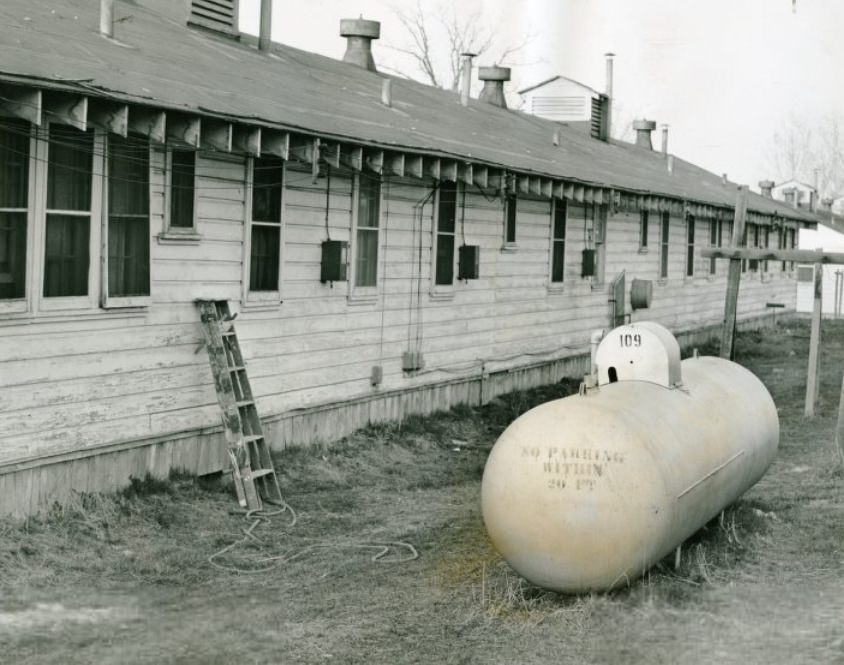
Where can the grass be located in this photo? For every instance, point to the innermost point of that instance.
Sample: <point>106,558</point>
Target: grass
<point>126,578</point>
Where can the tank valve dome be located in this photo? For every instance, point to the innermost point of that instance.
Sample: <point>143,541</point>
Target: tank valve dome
<point>644,351</point>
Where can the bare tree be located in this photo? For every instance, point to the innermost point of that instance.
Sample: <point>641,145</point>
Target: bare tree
<point>434,45</point>
<point>802,146</point>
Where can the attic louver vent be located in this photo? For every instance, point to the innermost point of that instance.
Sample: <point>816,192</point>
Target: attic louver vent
<point>217,15</point>
<point>599,129</point>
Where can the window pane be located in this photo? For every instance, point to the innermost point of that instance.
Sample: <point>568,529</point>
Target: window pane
<point>445,259</point>
<point>510,233</point>
<point>558,261</point>
<point>182,189</point>
<point>266,190</point>
<point>14,164</point>
<point>368,202</point>
<point>128,217</point>
<point>366,268</point>
<point>559,219</point>
<point>12,254</point>
<point>70,157</point>
<point>128,256</point>
<point>264,256</point>
<point>643,228</point>
<point>447,213</point>
<point>66,256</point>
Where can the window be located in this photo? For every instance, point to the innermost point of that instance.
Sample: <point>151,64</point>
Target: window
<point>690,246</point>
<point>558,241</point>
<point>792,233</point>
<point>265,227</point>
<point>68,212</point>
<point>366,236</point>
<point>510,206</point>
<point>14,200</point>
<point>715,231</point>
<point>663,246</point>
<point>182,206</point>
<point>744,244</point>
<point>754,238</point>
<point>766,237</point>
<point>643,229</point>
<point>596,225</point>
<point>781,244</point>
<point>446,224</point>
<point>128,217</point>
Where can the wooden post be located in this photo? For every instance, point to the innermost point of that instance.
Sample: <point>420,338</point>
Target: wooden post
<point>728,334</point>
<point>813,382</point>
<point>839,429</point>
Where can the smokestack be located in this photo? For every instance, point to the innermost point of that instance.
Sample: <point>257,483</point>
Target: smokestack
<point>107,18</point>
<point>359,34</point>
<point>494,79</point>
<point>665,139</point>
<point>266,23</point>
<point>643,133</point>
<point>608,91</point>
<point>466,77</point>
<point>767,187</point>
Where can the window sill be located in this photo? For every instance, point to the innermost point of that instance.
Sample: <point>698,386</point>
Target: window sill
<point>442,293</point>
<point>357,298</point>
<point>13,307</point>
<point>509,248</point>
<point>179,238</point>
<point>689,279</point>
<point>643,250</point>
<point>30,318</point>
<point>137,303</point>
<point>598,286</point>
<point>556,288</point>
<point>662,281</point>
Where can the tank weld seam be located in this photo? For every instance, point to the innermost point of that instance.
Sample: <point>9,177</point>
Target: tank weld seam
<point>710,474</point>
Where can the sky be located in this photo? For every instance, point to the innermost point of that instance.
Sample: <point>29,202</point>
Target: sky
<point>725,75</point>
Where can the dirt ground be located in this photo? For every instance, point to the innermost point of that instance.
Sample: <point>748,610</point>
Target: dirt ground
<point>127,578</point>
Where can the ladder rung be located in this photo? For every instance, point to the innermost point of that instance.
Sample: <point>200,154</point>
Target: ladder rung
<point>236,368</point>
<point>228,333</point>
<point>246,402</point>
<point>260,473</point>
<point>249,438</point>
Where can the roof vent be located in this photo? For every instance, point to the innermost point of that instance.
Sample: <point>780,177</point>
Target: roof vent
<point>494,79</point>
<point>216,15</point>
<point>599,121</point>
<point>643,133</point>
<point>359,34</point>
<point>766,187</point>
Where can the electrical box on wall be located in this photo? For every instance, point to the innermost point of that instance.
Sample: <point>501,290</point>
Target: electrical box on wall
<point>468,265</point>
<point>333,266</point>
<point>588,269</point>
<point>412,361</point>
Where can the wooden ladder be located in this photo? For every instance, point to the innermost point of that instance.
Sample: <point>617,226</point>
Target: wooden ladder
<point>252,464</point>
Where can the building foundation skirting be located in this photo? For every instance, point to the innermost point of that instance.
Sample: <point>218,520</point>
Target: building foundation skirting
<point>33,485</point>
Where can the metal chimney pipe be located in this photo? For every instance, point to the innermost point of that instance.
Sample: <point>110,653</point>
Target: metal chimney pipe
<point>643,130</point>
<point>466,77</point>
<point>359,34</point>
<point>266,25</point>
<point>387,92</point>
<point>665,139</point>
<point>766,187</point>
<point>608,91</point>
<point>493,91</point>
<point>107,18</point>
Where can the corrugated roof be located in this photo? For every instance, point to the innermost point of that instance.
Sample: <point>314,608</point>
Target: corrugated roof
<point>157,60</point>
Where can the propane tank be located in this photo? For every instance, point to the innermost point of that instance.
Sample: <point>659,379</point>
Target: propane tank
<point>587,492</point>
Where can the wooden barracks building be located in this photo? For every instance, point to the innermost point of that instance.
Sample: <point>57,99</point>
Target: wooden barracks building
<point>387,248</point>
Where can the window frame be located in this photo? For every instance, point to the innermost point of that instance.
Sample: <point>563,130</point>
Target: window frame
<point>365,293</point>
<point>716,230</point>
<point>95,229</point>
<point>511,209</point>
<point>182,234</point>
<point>557,203</point>
<point>664,244</point>
<point>261,299</point>
<point>445,290</point>
<point>690,246</point>
<point>643,231</point>
<point>23,304</point>
<point>134,301</point>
